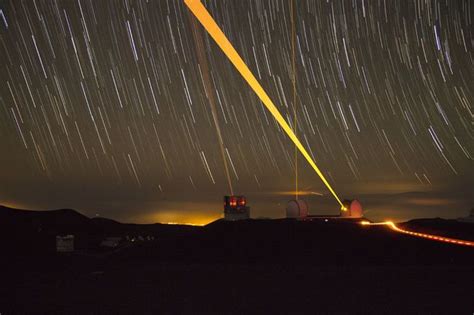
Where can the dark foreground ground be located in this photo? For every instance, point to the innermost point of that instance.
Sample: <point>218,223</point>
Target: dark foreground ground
<point>261,266</point>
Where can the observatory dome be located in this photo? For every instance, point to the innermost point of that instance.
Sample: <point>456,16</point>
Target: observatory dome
<point>353,209</point>
<point>297,209</point>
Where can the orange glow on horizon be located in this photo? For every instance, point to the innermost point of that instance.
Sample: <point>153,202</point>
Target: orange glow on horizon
<point>184,223</point>
<point>180,217</point>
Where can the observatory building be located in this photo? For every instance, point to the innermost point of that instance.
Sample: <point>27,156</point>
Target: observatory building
<point>353,209</point>
<point>297,209</point>
<point>235,208</point>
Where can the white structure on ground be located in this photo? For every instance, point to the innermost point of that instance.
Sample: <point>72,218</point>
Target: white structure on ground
<point>297,209</point>
<point>111,242</point>
<point>352,209</point>
<point>65,244</point>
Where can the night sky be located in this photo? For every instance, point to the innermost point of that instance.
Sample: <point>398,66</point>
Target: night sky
<point>103,107</point>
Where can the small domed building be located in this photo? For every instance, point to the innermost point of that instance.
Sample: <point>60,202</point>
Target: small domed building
<point>351,209</point>
<point>297,209</point>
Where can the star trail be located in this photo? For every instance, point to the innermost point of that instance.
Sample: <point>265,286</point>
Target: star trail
<point>105,105</point>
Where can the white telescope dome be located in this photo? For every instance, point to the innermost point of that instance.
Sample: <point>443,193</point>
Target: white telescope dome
<point>297,209</point>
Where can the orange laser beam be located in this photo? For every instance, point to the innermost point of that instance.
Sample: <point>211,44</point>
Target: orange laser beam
<point>201,13</point>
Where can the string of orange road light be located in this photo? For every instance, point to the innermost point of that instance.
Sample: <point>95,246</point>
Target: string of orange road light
<point>394,227</point>
<point>201,13</point>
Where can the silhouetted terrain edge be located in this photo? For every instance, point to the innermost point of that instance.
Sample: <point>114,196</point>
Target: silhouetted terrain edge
<point>251,266</point>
